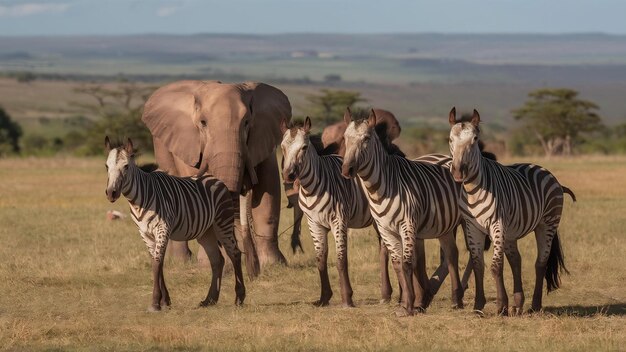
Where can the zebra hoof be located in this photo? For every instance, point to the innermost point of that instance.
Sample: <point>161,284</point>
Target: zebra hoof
<point>348,305</point>
<point>479,313</point>
<point>420,310</point>
<point>385,300</point>
<point>504,312</point>
<point>154,309</point>
<point>208,302</point>
<point>320,303</point>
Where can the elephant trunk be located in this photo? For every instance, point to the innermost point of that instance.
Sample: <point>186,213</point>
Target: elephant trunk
<point>228,166</point>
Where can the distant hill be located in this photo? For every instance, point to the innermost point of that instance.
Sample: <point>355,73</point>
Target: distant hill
<point>419,76</point>
<point>476,48</point>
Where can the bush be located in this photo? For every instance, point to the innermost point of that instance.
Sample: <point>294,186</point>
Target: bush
<point>10,133</point>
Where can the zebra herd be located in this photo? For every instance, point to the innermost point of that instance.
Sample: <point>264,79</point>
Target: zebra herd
<point>407,201</point>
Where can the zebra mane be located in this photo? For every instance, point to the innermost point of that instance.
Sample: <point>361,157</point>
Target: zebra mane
<point>381,132</point>
<point>316,140</point>
<point>485,154</point>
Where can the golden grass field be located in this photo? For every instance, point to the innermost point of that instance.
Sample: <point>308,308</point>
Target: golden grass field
<point>71,280</point>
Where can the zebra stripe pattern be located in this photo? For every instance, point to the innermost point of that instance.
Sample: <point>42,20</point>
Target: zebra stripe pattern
<point>329,201</point>
<point>165,207</point>
<point>506,203</point>
<point>409,200</point>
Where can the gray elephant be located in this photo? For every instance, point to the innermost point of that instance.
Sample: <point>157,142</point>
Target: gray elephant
<point>232,130</point>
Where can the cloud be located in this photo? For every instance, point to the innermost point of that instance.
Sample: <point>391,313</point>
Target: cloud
<point>31,8</point>
<point>167,10</point>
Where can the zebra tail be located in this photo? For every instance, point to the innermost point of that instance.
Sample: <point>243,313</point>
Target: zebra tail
<point>556,265</point>
<point>570,192</point>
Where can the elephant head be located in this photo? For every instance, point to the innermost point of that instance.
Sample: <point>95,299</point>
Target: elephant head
<point>227,128</point>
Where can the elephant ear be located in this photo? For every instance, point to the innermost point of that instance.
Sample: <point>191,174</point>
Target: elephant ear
<point>268,107</point>
<point>171,115</point>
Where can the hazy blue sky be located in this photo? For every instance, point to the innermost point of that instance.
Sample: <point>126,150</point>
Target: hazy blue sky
<point>336,16</point>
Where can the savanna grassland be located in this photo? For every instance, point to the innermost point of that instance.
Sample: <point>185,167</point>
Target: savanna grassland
<point>71,280</point>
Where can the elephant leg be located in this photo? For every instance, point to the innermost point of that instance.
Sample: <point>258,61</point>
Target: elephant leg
<point>266,212</point>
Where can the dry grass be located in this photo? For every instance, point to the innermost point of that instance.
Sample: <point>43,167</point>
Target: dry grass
<point>70,280</point>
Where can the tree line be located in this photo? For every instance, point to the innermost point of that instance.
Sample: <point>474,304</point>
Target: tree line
<point>553,121</point>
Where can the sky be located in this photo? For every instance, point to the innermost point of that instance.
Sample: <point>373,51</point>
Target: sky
<point>115,17</point>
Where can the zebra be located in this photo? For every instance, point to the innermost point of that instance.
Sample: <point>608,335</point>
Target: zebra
<point>330,203</point>
<point>165,207</point>
<point>506,203</point>
<point>410,201</point>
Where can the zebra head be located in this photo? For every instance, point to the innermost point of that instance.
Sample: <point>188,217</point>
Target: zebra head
<point>463,144</point>
<point>118,160</point>
<point>357,137</point>
<point>294,146</point>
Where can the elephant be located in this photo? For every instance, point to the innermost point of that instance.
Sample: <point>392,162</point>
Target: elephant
<point>231,130</point>
<point>332,139</point>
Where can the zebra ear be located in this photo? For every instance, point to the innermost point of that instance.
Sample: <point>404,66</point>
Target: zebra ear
<point>129,147</point>
<point>371,121</point>
<point>452,116</point>
<point>107,144</point>
<point>347,116</point>
<point>475,118</point>
<point>307,124</point>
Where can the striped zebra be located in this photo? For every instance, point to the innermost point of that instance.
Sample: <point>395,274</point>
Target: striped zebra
<point>410,201</point>
<point>506,203</point>
<point>165,207</point>
<point>330,203</point>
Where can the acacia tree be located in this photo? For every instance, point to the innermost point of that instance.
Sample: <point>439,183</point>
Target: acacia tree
<point>119,108</point>
<point>558,118</point>
<point>330,105</point>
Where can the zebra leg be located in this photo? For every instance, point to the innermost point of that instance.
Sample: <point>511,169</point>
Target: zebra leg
<point>448,243</point>
<point>408,266</point>
<point>224,233</point>
<point>421,287</point>
<point>383,258</point>
<point>160,245</point>
<point>210,245</point>
<point>165,295</point>
<point>320,242</point>
<point>476,244</point>
<point>340,232</point>
<point>297,224</point>
<point>515,261</point>
<point>440,274</point>
<point>470,266</point>
<point>242,223</point>
<point>394,245</point>
<point>497,268</point>
<point>545,235</point>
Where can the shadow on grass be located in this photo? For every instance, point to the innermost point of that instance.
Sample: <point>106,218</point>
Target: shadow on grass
<point>618,309</point>
<point>283,304</point>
